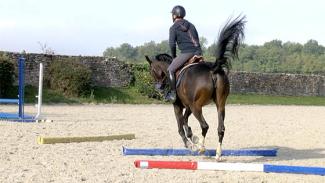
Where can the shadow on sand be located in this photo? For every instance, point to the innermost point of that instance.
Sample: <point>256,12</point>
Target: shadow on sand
<point>286,154</point>
<point>283,154</point>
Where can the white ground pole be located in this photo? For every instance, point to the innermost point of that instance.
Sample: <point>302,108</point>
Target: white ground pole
<point>230,166</point>
<point>40,91</point>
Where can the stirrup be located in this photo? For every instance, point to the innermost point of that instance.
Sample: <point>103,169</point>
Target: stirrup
<point>171,96</point>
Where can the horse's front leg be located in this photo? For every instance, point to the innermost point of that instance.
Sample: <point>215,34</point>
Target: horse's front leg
<point>195,140</point>
<point>197,112</point>
<point>178,109</point>
<point>187,129</point>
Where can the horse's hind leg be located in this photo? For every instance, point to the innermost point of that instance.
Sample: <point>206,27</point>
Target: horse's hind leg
<point>178,109</point>
<point>221,129</point>
<point>220,100</point>
<point>197,112</point>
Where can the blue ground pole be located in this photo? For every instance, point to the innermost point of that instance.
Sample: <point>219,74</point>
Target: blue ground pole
<point>186,152</point>
<point>294,169</point>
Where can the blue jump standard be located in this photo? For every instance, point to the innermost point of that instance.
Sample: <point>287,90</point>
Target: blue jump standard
<point>209,152</point>
<point>20,116</point>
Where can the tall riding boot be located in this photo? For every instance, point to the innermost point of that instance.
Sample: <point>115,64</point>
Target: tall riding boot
<point>171,96</point>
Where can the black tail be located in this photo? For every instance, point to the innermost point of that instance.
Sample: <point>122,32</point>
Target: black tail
<point>230,38</point>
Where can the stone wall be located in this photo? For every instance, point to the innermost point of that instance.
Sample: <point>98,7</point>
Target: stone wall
<point>277,84</point>
<point>106,72</point>
<point>112,73</point>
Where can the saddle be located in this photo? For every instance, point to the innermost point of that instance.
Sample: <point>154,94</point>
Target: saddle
<point>196,59</point>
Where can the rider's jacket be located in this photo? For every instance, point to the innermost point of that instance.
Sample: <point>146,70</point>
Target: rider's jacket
<point>185,35</point>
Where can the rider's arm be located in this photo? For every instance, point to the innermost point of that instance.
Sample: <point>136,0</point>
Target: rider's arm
<point>172,42</point>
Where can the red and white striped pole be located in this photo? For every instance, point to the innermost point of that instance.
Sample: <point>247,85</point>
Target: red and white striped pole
<point>193,165</point>
<point>147,164</point>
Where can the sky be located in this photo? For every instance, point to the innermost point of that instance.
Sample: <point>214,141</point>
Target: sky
<point>88,27</point>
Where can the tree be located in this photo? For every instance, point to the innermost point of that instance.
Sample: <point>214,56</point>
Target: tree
<point>273,44</point>
<point>126,51</point>
<point>46,49</point>
<point>312,47</point>
<point>292,48</point>
<point>163,47</point>
<point>203,43</point>
<point>151,48</point>
<point>148,48</point>
<point>110,52</point>
<point>272,56</point>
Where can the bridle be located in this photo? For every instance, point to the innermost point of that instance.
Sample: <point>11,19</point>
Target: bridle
<point>159,83</point>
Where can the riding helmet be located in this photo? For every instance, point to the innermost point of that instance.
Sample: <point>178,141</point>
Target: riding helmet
<point>179,11</point>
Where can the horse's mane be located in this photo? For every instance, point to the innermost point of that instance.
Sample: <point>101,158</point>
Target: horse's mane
<point>164,57</point>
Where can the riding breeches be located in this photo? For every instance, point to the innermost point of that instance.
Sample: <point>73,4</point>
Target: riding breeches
<point>179,61</point>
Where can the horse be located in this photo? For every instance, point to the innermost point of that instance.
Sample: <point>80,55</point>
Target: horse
<point>202,83</point>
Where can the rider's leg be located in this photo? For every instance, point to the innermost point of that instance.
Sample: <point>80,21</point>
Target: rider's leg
<point>171,96</point>
<point>173,67</point>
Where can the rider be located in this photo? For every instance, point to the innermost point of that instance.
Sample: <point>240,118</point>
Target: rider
<point>185,35</point>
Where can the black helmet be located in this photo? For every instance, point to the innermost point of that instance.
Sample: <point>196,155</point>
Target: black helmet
<point>179,11</point>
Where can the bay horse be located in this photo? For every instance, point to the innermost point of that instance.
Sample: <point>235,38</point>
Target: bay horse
<point>202,83</point>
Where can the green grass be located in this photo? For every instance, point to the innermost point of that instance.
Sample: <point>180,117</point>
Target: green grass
<point>49,96</point>
<point>274,100</point>
<point>129,95</point>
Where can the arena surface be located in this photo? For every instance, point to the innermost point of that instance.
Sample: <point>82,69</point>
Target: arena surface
<point>298,132</point>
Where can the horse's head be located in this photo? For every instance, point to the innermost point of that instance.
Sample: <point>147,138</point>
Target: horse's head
<point>158,69</point>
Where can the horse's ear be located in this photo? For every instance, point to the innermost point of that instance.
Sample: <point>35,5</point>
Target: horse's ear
<point>148,59</point>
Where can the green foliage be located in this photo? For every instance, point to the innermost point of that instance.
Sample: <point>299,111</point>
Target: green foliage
<point>274,56</point>
<point>110,52</point>
<point>143,81</point>
<point>7,76</point>
<point>124,52</point>
<point>312,47</point>
<point>69,77</point>
<point>151,48</point>
<point>128,53</point>
<point>203,43</point>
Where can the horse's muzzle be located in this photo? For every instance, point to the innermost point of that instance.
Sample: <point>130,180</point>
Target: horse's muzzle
<point>159,87</point>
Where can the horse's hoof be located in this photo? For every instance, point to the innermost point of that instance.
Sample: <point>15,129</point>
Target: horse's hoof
<point>195,139</point>
<point>194,148</point>
<point>220,159</point>
<point>188,144</point>
<point>202,150</point>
